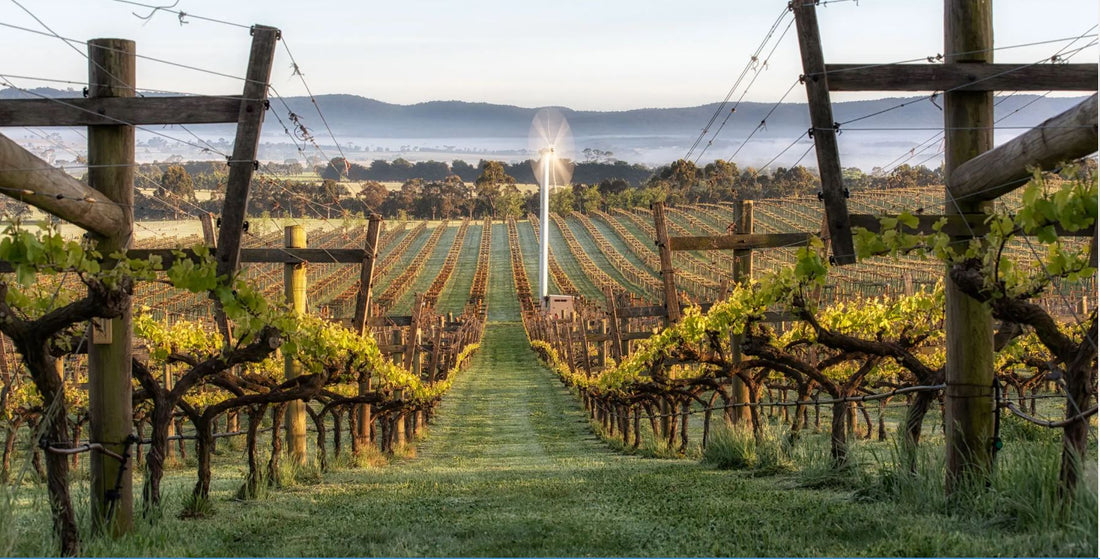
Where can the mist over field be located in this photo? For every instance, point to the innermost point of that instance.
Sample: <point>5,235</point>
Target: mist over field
<point>367,129</point>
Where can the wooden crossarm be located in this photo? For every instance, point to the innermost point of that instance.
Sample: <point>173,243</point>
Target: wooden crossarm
<point>1001,170</point>
<point>740,242</point>
<point>27,178</point>
<point>961,77</point>
<point>119,110</point>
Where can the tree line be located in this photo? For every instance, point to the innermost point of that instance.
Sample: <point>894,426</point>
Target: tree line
<point>436,190</point>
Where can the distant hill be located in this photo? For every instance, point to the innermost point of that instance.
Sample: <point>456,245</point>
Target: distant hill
<point>647,135</point>
<point>360,116</point>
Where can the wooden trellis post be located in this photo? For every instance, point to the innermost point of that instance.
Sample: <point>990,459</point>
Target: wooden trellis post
<point>968,129</point>
<point>295,282</point>
<point>742,273</point>
<point>361,413</point>
<point>243,161</point>
<point>112,71</point>
<point>668,273</point>
<point>823,132</point>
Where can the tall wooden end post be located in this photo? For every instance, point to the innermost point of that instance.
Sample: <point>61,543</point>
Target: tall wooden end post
<point>362,412</point>
<point>968,124</point>
<point>294,280</point>
<point>824,132</point>
<point>111,73</point>
<point>668,274</point>
<point>245,145</point>
<point>742,273</point>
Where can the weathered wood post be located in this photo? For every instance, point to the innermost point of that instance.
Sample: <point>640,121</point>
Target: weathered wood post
<point>601,348</point>
<point>169,384</point>
<point>742,273</point>
<point>968,125</point>
<point>613,321</point>
<point>437,350</point>
<point>568,325</point>
<point>111,73</point>
<point>294,280</point>
<point>584,347</point>
<point>210,239</point>
<point>243,160</point>
<point>361,413</point>
<point>412,341</point>
<point>668,273</point>
<point>823,132</point>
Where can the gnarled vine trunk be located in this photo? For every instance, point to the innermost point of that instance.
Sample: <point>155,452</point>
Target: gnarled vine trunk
<point>204,448</point>
<point>838,438</point>
<point>273,477</point>
<point>158,453</point>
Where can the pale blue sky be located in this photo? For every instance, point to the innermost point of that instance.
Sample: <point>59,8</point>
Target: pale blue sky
<point>596,54</point>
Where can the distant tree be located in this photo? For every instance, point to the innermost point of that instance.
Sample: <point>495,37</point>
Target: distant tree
<point>445,199</point>
<point>431,170</point>
<point>791,182</point>
<point>381,170</point>
<point>490,184</point>
<point>336,169</point>
<point>720,177</point>
<point>405,199</point>
<point>587,198</point>
<point>510,203</point>
<point>609,187</point>
<point>681,174</point>
<point>372,195</point>
<point>329,195</point>
<point>464,170</point>
<point>402,169</point>
<point>177,183</point>
<point>855,179</point>
<point>562,201</point>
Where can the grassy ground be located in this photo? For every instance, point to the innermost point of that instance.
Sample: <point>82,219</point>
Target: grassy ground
<point>588,244</point>
<point>500,297</point>
<point>427,274</point>
<point>456,292</point>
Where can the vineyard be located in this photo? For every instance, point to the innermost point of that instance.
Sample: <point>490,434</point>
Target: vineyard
<point>908,370</point>
<point>807,368</point>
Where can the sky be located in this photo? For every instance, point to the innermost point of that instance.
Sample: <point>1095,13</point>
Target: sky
<point>586,55</point>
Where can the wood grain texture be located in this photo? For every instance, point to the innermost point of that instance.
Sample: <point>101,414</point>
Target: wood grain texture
<point>119,110</point>
<point>961,77</point>
<point>27,178</point>
<point>824,135</point>
<point>996,172</point>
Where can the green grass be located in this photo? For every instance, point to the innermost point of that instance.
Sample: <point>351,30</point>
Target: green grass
<point>589,246</point>
<point>404,259</point>
<point>456,292</point>
<point>501,292</point>
<point>572,267</point>
<point>424,279</point>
